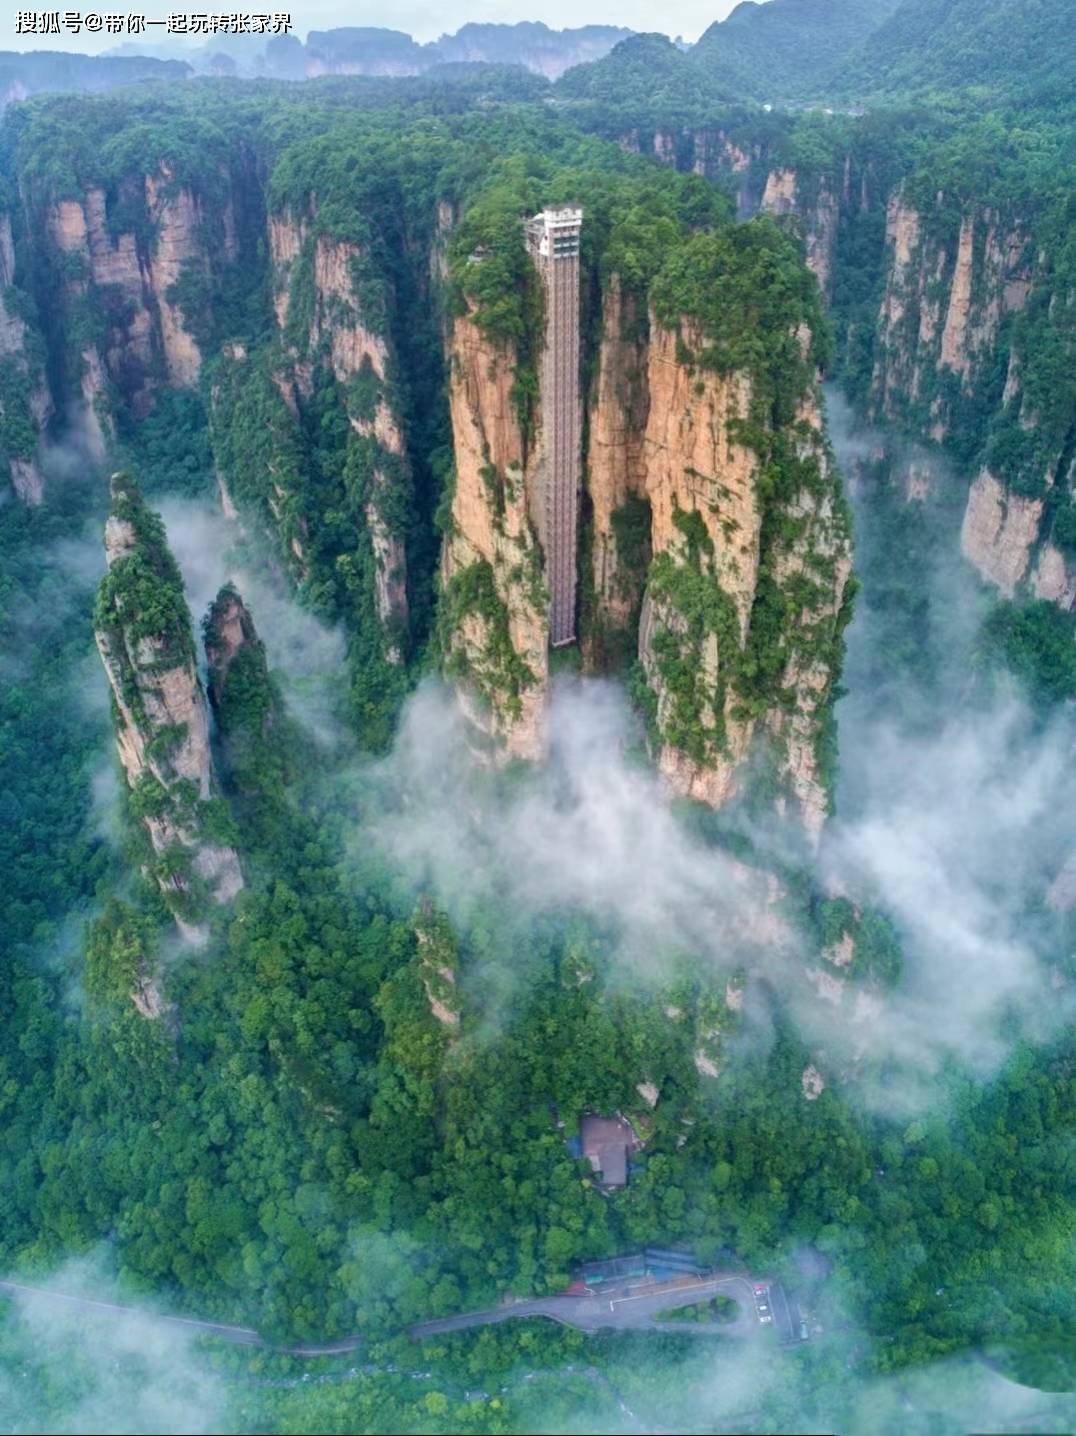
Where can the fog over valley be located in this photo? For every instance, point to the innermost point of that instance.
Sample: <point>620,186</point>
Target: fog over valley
<point>537,717</point>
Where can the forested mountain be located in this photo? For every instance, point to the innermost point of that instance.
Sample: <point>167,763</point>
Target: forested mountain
<point>786,49</point>
<point>828,52</point>
<point>1001,50</point>
<point>333,897</point>
<point>650,73</point>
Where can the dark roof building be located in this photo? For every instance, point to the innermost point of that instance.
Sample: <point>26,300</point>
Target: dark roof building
<point>608,1143</point>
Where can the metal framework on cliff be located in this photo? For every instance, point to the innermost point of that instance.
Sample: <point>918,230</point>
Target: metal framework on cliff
<point>553,243</point>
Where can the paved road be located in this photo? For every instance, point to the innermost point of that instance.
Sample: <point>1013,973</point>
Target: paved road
<point>628,1307</point>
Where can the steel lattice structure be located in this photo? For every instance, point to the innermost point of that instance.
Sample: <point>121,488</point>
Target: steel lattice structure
<point>553,242</point>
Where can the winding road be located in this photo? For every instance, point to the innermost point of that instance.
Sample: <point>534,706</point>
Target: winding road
<point>626,1306</point>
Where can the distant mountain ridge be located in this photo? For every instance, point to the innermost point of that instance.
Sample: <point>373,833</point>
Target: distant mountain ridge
<point>375,51</point>
<point>802,51</point>
<point>380,51</point>
<point>781,52</point>
<point>23,75</point>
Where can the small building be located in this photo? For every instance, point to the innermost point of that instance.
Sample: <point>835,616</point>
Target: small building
<point>608,1144</point>
<point>621,1269</point>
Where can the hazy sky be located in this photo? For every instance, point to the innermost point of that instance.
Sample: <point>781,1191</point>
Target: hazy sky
<point>418,17</point>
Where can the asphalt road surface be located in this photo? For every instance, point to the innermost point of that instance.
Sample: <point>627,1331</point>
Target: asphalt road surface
<point>623,1307</point>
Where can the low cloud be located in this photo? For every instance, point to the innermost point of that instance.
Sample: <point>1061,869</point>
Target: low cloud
<point>591,831</point>
<point>306,654</point>
<point>957,835</point>
<point>73,1368</point>
<point>954,816</point>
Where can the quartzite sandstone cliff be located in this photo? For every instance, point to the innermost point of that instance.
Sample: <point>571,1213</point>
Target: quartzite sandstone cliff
<point>161,718</point>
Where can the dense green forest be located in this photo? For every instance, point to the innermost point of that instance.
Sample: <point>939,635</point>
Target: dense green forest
<point>301,1144</point>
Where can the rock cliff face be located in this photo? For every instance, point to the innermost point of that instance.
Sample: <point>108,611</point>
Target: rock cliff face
<point>229,633</point>
<point>956,282</point>
<point>25,402</point>
<point>944,300</point>
<point>142,628</point>
<point>954,300</point>
<point>124,278</point>
<point>494,623</point>
<point>678,507</point>
<point>736,588</point>
<point>318,286</point>
<point>999,531</point>
<point>616,469</point>
<point>819,219</point>
<point>438,962</point>
<point>255,741</point>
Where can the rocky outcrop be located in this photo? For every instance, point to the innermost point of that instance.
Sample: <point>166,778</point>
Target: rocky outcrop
<point>616,468</point>
<point>715,154</point>
<point>665,147</point>
<point>700,484</point>
<point>945,296</point>
<point>956,277</point>
<point>437,959</point>
<point>954,342</point>
<point>25,402</point>
<point>1054,577</point>
<point>126,280</point>
<point>494,619</point>
<point>337,332</point>
<point>820,235</point>
<point>677,506</point>
<point>176,216</point>
<point>739,163</point>
<point>256,744</point>
<point>779,196</point>
<point>698,640</point>
<point>142,628</point>
<point>999,531</point>
<point>229,632</point>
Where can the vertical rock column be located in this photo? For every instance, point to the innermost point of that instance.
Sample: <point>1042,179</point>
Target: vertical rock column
<point>143,632</point>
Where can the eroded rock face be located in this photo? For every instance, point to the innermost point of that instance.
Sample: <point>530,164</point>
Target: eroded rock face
<point>943,303</point>
<point>161,718</point>
<point>26,406</point>
<point>1054,578</point>
<point>437,965</point>
<point>737,162</point>
<point>779,196</point>
<point>818,218</point>
<point>130,280</point>
<point>699,482</point>
<point>255,742</point>
<point>229,629</point>
<point>177,216</point>
<point>665,147</point>
<point>998,531</point>
<point>359,357</point>
<point>665,468</point>
<point>616,468</point>
<point>707,528</point>
<point>954,342</point>
<point>495,619</point>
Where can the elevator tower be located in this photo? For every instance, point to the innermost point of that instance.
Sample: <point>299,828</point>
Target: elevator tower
<point>553,243</point>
